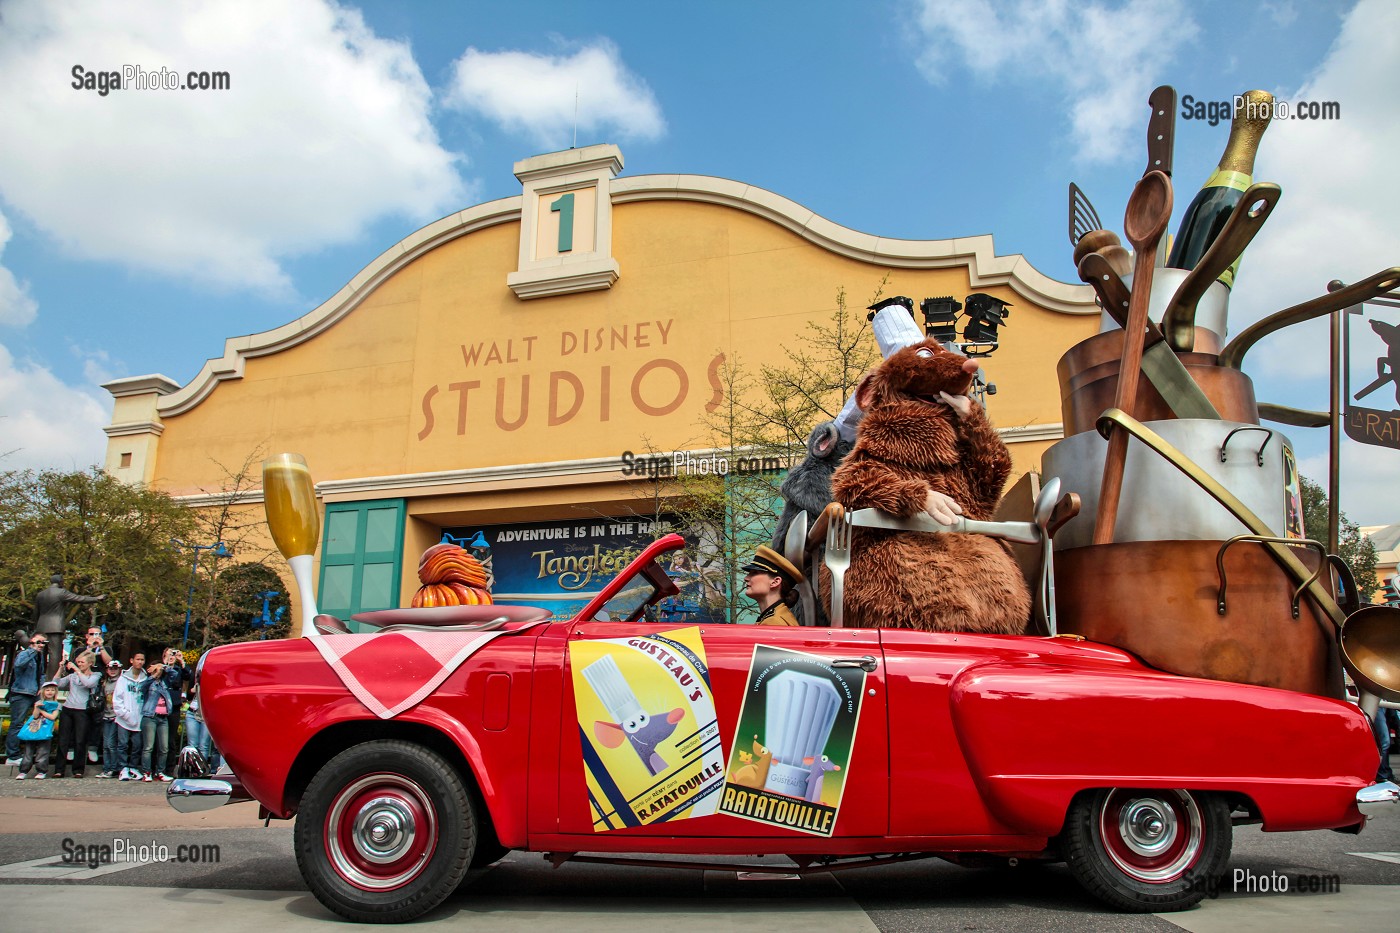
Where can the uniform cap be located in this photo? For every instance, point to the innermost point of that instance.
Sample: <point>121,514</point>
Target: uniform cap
<point>767,560</point>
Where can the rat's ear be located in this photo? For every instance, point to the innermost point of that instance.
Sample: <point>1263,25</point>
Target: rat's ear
<point>869,390</point>
<point>823,440</point>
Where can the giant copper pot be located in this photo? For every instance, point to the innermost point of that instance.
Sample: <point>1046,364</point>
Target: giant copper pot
<point>1088,375</point>
<point>1159,600</point>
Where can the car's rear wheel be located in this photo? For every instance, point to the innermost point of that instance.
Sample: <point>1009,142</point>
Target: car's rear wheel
<point>1147,850</point>
<point>385,832</point>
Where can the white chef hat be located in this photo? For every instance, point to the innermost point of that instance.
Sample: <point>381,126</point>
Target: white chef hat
<point>894,327</point>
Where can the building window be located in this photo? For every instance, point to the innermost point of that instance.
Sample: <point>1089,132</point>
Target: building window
<point>361,557</point>
<point>126,462</point>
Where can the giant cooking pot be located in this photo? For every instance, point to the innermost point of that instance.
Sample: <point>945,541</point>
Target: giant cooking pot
<point>1160,503</point>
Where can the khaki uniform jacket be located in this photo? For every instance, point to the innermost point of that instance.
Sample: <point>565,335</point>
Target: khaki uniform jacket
<point>777,614</point>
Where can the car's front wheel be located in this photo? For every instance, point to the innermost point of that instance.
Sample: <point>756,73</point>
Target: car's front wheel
<point>385,832</point>
<point>1147,850</point>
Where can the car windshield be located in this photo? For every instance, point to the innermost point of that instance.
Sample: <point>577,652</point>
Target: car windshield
<point>640,584</point>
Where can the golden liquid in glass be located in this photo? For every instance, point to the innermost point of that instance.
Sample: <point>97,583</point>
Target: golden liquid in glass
<point>290,500</point>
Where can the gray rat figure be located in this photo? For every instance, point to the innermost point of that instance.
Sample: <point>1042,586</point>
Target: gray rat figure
<point>807,487</point>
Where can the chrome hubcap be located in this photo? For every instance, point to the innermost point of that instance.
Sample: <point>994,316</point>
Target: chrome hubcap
<point>384,830</point>
<point>1152,836</point>
<point>1146,828</point>
<point>381,831</point>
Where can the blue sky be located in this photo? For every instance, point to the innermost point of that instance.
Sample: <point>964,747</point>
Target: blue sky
<point>140,229</point>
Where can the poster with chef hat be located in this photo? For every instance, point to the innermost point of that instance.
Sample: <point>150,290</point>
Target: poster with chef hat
<point>650,738</point>
<point>791,756</point>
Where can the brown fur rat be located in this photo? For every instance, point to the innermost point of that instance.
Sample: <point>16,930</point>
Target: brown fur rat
<point>910,442</point>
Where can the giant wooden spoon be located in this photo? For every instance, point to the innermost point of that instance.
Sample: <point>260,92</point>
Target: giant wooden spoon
<point>1149,209</point>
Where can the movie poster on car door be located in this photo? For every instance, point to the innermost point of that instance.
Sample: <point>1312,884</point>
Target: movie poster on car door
<point>646,716</point>
<point>791,758</point>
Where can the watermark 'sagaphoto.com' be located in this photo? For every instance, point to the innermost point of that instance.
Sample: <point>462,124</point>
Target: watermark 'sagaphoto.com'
<point>134,77</point>
<point>657,465</point>
<point>1214,111</point>
<point>129,851</point>
<point>1244,881</point>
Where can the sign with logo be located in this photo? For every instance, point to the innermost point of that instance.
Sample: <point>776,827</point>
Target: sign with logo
<point>561,565</point>
<point>793,742</point>
<point>1377,421</point>
<point>646,717</point>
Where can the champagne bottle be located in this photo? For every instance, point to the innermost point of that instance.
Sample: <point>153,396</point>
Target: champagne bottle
<point>1225,188</point>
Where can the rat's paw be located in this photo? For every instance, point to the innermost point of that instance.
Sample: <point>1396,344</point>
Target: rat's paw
<point>961,404</point>
<point>941,508</point>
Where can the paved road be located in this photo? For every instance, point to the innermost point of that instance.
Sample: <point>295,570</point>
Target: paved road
<point>255,881</point>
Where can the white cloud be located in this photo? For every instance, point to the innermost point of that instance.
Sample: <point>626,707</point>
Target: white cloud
<point>1282,13</point>
<point>1099,59</point>
<point>46,423</point>
<point>1370,481</point>
<point>324,130</point>
<point>1336,218</point>
<point>534,94</point>
<point>16,307</point>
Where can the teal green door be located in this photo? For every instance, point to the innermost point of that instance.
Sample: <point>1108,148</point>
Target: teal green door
<point>362,557</point>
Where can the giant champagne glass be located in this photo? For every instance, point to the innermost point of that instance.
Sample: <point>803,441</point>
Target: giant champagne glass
<point>289,497</point>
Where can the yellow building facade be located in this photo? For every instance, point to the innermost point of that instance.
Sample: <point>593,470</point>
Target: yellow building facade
<point>491,367</point>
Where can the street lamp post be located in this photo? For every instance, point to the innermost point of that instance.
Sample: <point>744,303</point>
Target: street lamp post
<point>219,551</point>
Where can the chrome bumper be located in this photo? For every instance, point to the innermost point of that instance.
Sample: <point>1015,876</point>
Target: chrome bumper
<point>1370,800</point>
<point>190,795</point>
<point>196,789</point>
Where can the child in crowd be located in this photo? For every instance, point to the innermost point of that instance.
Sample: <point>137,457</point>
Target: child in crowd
<point>80,680</point>
<point>38,733</point>
<point>113,749</point>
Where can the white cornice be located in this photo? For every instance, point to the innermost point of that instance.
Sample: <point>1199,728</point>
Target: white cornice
<point>985,268</point>
<point>129,428</point>
<point>1033,432</point>
<point>141,385</point>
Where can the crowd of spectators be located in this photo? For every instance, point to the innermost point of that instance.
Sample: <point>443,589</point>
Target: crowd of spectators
<point>125,719</point>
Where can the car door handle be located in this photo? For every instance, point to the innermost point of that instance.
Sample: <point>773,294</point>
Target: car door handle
<point>866,663</point>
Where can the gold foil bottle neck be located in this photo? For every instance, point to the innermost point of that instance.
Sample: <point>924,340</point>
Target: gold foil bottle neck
<point>1251,119</point>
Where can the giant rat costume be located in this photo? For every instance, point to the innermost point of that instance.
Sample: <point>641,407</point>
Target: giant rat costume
<point>913,440</point>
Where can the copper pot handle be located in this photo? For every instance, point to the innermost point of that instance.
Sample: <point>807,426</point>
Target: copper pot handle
<point>1264,539</point>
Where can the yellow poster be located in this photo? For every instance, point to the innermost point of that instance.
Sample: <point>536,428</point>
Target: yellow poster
<point>646,717</point>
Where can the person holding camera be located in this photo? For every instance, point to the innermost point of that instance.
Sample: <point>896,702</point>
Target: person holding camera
<point>24,689</point>
<point>176,677</point>
<point>79,679</point>
<point>155,724</point>
<point>93,642</point>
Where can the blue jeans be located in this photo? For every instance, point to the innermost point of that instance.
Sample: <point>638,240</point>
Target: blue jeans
<point>20,708</point>
<point>155,737</point>
<point>197,734</point>
<point>21,705</point>
<point>1382,734</point>
<point>128,747</point>
<point>113,749</point>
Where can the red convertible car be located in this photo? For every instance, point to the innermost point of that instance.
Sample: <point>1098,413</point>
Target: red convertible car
<point>444,738</point>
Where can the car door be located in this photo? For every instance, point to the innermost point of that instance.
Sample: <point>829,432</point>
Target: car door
<point>796,739</point>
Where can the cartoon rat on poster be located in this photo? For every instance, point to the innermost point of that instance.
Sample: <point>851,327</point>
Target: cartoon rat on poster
<point>923,445</point>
